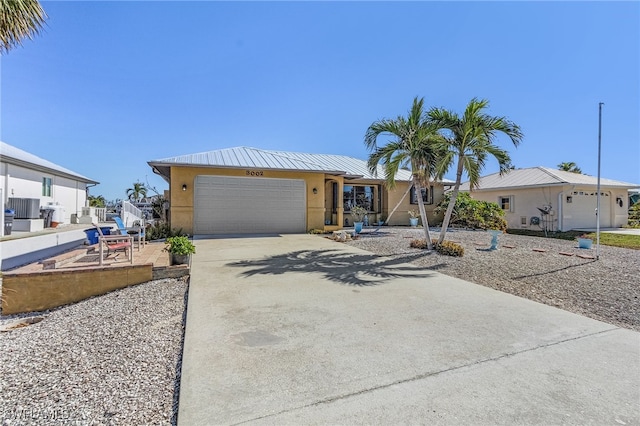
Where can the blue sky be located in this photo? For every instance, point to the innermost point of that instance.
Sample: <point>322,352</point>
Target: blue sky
<point>109,86</point>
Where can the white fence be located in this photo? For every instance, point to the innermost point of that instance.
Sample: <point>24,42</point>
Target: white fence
<point>99,212</point>
<point>130,214</point>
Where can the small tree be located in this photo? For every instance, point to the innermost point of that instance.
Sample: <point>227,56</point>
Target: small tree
<point>471,140</point>
<point>414,145</point>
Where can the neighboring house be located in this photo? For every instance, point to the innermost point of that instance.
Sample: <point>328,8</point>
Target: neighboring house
<point>250,190</point>
<point>30,183</point>
<point>540,197</point>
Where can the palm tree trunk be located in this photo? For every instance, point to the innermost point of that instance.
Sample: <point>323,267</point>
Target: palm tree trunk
<point>423,212</point>
<point>398,205</point>
<point>452,203</point>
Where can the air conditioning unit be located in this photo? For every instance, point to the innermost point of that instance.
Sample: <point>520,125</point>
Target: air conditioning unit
<point>25,208</point>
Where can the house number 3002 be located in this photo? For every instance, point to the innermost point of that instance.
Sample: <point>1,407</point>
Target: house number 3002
<point>255,173</point>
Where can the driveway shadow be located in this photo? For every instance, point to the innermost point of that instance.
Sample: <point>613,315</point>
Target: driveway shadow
<point>354,269</point>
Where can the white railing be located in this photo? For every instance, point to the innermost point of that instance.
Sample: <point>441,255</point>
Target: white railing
<point>130,214</point>
<point>99,212</point>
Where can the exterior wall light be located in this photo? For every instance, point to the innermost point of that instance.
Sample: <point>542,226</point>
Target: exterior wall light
<point>184,186</point>
<point>315,190</point>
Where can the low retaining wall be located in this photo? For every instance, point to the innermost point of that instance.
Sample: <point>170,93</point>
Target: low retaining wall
<point>22,251</point>
<point>31,292</point>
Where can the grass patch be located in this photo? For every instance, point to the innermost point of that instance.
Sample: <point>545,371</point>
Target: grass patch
<point>617,240</point>
<point>606,239</point>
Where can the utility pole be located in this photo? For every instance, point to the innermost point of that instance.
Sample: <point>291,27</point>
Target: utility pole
<point>598,195</point>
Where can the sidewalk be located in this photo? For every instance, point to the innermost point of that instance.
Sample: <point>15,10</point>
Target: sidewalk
<point>298,329</point>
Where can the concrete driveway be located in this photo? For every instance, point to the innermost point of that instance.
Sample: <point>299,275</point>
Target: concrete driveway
<point>297,329</point>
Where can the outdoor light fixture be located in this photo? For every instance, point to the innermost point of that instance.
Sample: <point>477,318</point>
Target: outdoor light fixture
<point>315,190</point>
<point>184,186</point>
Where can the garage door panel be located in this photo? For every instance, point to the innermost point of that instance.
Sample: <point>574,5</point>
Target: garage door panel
<point>582,210</point>
<point>249,205</point>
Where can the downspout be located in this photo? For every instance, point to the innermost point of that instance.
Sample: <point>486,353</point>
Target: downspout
<point>560,209</point>
<point>86,190</point>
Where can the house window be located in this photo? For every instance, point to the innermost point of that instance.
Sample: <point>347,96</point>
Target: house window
<point>506,203</point>
<point>427,196</point>
<point>359,195</point>
<point>46,187</point>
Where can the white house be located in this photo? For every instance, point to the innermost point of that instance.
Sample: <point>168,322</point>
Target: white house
<point>30,183</point>
<point>544,198</point>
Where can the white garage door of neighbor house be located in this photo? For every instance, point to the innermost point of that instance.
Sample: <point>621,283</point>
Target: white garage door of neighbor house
<point>246,205</point>
<point>583,209</point>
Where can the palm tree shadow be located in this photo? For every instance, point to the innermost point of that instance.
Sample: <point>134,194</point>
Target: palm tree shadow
<point>345,268</point>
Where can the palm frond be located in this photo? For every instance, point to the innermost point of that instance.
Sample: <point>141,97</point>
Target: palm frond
<point>19,20</point>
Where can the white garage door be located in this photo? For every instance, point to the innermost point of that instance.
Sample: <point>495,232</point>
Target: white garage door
<point>583,209</point>
<point>246,205</point>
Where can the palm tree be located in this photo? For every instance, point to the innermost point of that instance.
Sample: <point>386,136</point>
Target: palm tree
<point>414,145</point>
<point>97,201</point>
<point>19,19</point>
<point>470,138</point>
<point>138,192</point>
<point>569,166</point>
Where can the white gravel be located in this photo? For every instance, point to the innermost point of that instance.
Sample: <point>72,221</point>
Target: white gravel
<point>109,360</point>
<point>607,289</point>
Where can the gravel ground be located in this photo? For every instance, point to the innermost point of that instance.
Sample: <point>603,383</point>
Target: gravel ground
<point>607,289</point>
<point>109,360</point>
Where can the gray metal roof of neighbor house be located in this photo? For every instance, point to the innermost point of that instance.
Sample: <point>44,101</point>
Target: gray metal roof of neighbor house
<point>12,155</point>
<point>541,176</point>
<point>247,157</point>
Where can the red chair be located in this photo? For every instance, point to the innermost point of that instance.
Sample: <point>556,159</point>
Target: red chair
<point>114,243</point>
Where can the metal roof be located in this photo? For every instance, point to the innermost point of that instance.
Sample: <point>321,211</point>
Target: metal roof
<point>541,176</point>
<point>11,154</point>
<point>247,157</point>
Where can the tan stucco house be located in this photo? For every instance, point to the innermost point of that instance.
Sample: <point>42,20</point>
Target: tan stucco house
<point>540,197</point>
<point>250,190</point>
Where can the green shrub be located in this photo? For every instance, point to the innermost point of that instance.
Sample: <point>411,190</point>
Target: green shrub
<point>634,216</point>
<point>475,214</point>
<point>419,244</point>
<point>160,230</point>
<point>449,248</point>
<point>180,245</point>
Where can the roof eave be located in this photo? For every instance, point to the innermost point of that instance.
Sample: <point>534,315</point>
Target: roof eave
<point>546,185</point>
<point>32,166</point>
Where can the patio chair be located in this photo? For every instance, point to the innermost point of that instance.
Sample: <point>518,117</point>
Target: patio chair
<point>137,232</point>
<point>114,243</point>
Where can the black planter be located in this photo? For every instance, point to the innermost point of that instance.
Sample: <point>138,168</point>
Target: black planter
<point>180,259</point>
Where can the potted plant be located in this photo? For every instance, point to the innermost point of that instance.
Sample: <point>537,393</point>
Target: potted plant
<point>358,213</point>
<point>584,242</point>
<point>413,217</point>
<point>180,249</point>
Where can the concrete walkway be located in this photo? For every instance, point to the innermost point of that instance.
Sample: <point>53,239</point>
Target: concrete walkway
<point>624,231</point>
<point>298,329</point>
